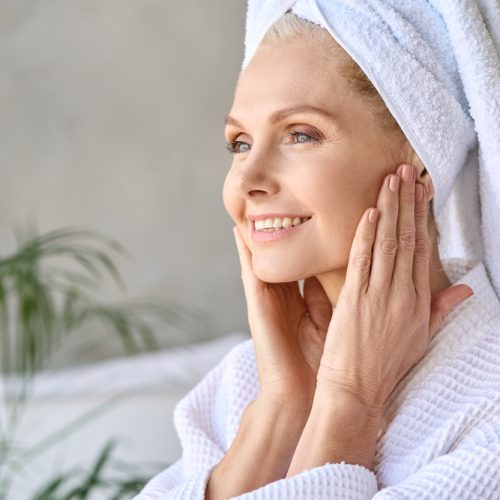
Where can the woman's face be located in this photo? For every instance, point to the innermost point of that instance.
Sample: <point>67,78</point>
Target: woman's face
<point>327,164</point>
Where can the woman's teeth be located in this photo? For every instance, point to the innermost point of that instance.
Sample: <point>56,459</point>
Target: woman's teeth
<point>270,225</point>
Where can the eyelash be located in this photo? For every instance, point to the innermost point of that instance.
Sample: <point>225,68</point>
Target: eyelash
<point>231,145</point>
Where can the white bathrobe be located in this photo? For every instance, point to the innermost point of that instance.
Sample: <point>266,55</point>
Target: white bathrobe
<point>443,436</point>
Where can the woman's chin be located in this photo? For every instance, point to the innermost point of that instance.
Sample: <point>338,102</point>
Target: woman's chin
<point>276,274</point>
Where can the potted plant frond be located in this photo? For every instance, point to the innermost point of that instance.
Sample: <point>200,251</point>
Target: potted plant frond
<point>48,292</point>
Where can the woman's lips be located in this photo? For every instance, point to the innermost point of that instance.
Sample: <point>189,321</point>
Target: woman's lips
<point>278,233</point>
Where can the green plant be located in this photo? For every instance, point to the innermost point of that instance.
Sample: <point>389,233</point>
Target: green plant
<point>117,487</point>
<point>40,307</point>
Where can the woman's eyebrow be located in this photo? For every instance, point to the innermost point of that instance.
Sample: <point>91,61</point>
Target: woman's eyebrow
<point>280,114</point>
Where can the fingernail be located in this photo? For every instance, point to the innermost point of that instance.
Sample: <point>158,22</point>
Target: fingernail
<point>394,183</point>
<point>408,171</point>
<point>372,215</point>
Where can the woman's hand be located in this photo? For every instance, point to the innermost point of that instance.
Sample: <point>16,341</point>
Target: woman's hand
<point>288,332</point>
<point>385,315</point>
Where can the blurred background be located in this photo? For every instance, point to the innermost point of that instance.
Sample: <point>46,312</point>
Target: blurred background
<point>111,120</point>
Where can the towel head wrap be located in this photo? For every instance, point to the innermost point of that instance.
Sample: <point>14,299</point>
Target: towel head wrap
<point>435,63</point>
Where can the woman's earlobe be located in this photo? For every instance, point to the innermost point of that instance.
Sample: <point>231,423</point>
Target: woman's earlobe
<point>425,179</point>
<point>430,191</point>
<point>414,159</point>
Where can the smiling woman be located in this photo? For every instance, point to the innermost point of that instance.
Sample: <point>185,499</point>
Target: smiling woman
<point>323,159</point>
<point>326,189</point>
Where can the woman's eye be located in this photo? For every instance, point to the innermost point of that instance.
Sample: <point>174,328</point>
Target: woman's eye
<point>300,136</point>
<point>233,147</point>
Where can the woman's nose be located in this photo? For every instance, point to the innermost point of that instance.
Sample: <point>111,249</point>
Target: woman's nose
<point>256,180</point>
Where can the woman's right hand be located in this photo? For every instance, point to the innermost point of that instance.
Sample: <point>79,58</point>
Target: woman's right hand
<point>288,333</point>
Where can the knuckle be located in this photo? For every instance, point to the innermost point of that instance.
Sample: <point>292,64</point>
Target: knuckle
<point>390,209</point>
<point>388,246</point>
<point>406,196</point>
<point>422,247</point>
<point>362,260</point>
<point>421,213</point>
<point>389,204</point>
<point>407,238</point>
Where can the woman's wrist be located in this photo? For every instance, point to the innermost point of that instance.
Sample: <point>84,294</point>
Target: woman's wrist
<point>333,397</point>
<point>291,404</point>
<point>339,428</point>
<point>262,448</point>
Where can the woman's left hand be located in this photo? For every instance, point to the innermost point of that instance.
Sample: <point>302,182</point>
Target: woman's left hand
<point>385,316</point>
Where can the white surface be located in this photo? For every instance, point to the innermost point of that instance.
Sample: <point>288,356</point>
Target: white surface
<point>180,366</point>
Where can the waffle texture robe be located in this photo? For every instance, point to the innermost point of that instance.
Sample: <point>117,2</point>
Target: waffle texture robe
<point>442,440</point>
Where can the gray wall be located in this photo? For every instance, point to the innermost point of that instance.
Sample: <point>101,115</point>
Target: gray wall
<point>111,117</point>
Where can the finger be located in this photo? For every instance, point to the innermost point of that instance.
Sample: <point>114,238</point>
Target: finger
<point>442,304</point>
<point>386,244</point>
<point>317,303</point>
<point>422,255</point>
<point>250,281</point>
<point>360,256</point>
<point>403,265</point>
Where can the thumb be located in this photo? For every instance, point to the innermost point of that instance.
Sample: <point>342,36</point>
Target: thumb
<point>442,304</point>
<point>250,281</point>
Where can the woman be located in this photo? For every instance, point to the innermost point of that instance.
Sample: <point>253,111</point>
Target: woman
<point>377,379</point>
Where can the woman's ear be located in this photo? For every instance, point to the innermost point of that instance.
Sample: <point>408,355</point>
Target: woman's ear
<point>425,179</point>
<point>423,176</point>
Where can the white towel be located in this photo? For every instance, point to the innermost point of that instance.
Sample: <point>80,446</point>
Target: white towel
<point>436,65</point>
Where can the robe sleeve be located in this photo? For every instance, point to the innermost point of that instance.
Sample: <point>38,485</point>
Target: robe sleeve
<point>339,481</point>
<point>470,470</point>
<point>171,484</point>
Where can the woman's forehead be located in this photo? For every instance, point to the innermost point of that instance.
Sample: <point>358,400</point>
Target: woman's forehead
<point>296,57</point>
<point>289,74</point>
